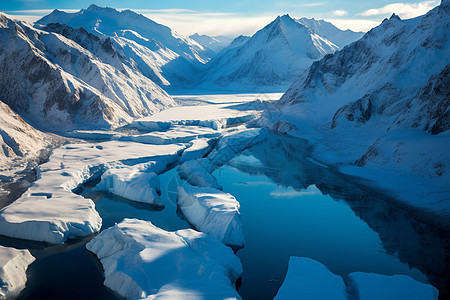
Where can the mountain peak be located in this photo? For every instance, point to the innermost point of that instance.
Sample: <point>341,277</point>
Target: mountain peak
<point>394,17</point>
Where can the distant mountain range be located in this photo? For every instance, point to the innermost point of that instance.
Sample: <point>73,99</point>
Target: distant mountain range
<point>71,79</point>
<point>274,56</point>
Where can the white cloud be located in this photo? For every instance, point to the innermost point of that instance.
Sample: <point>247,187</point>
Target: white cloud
<point>211,23</point>
<point>354,24</point>
<point>339,13</point>
<point>404,10</point>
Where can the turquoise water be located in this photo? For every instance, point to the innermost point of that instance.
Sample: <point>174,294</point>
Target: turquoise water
<point>289,206</point>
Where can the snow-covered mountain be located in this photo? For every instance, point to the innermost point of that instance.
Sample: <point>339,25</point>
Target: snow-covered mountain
<point>159,53</point>
<point>272,58</point>
<point>18,140</point>
<point>340,38</point>
<point>110,22</point>
<point>212,43</point>
<point>383,103</point>
<point>71,79</point>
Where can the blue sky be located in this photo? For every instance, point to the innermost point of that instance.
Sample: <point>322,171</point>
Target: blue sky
<point>234,17</point>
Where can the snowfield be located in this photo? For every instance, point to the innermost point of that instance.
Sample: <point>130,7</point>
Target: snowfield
<point>142,261</point>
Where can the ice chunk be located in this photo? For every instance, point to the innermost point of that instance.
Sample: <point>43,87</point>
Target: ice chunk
<point>376,286</point>
<point>49,211</point>
<point>213,212</point>
<point>142,261</point>
<point>136,183</point>
<point>235,142</point>
<point>176,134</point>
<point>309,279</point>
<point>198,172</point>
<point>199,147</point>
<point>13,265</point>
<point>133,184</point>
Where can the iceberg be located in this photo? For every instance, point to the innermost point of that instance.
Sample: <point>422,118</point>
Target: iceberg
<point>376,286</point>
<point>13,265</point>
<point>213,212</point>
<point>49,211</point>
<point>142,261</point>
<point>309,279</point>
<point>198,172</point>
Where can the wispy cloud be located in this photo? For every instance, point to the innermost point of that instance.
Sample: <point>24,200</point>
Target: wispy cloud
<point>339,13</point>
<point>404,10</point>
<point>354,24</point>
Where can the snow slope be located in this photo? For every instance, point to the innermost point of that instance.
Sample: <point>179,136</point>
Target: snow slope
<point>382,103</point>
<point>142,261</point>
<point>272,58</point>
<point>13,265</point>
<point>340,38</point>
<point>71,80</point>
<point>19,141</point>
<point>212,43</point>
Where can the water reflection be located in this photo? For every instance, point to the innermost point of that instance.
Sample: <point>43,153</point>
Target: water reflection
<point>285,161</point>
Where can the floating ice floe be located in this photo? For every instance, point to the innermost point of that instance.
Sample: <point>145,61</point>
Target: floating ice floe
<point>49,211</point>
<point>138,183</point>
<point>213,212</point>
<point>197,149</point>
<point>370,286</point>
<point>198,172</point>
<point>309,279</point>
<point>13,265</point>
<point>142,261</point>
<point>176,134</point>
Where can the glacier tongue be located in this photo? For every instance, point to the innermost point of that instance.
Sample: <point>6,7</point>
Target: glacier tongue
<point>142,261</point>
<point>213,212</point>
<point>13,265</point>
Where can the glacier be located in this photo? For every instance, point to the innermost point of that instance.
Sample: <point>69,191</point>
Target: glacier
<point>142,261</point>
<point>213,212</point>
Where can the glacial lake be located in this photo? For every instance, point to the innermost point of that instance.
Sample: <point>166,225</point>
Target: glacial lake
<point>290,206</point>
